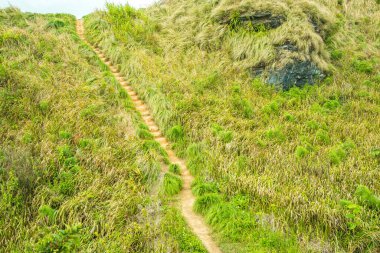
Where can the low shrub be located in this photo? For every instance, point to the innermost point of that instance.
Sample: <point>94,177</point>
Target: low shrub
<point>210,82</point>
<point>65,135</point>
<point>289,117</point>
<point>340,153</point>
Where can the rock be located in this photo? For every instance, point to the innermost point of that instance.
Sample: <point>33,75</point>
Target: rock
<point>297,73</point>
<point>288,46</point>
<point>314,22</point>
<point>258,70</point>
<point>318,26</point>
<point>265,18</point>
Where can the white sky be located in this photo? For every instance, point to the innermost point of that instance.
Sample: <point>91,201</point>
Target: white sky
<point>77,7</point>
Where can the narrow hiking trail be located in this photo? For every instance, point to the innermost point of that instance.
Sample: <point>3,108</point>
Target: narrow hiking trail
<point>186,198</point>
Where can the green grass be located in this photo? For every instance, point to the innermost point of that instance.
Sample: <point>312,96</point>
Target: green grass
<point>367,197</point>
<point>250,233</point>
<point>77,164</point>
<point>175,169</point>
<point>173,221</point>
<point>295,154</point>
<point>200,188</point>
<point>172,184</point>
<point>175,133</point>
<point>204,202</point>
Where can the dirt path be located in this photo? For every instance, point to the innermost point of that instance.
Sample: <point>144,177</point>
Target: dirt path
<point>186,197</point>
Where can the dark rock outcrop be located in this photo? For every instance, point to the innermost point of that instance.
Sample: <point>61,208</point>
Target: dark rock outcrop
<point>316,24</point>
<point>258,70</point>
<point>265,18</point>
<point>260,18</point>
<point>297,73</point>
<point>319,26</point>
<point>287,46</point>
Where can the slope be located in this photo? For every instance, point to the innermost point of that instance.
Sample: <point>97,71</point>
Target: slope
<point>186,197</point>
<point>276,169</point>
<point>77,167</point>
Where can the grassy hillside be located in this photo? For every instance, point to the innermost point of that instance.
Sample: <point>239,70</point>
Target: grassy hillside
<point>293,169</point>
<point>76,169</point>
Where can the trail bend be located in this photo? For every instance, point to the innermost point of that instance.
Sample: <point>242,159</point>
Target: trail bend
<point>186,197</point>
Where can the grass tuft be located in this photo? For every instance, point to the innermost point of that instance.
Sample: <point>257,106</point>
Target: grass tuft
<point>56,23</point>
<point>204,202</point>
<point>176,133</point>
<point>175,169</point>
<point>172,184</point>
<point>363,66</point>
<point>202,188</point>
<point>301,152</point>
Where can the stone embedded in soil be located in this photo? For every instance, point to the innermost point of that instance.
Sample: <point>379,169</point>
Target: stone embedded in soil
<point>258,70</point>
<point>264,18</point>
<point>318,26</point>
<point>287,46</point>
<point>297,73</point>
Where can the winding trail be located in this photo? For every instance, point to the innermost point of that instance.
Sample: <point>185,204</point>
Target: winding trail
<point>186,198</point>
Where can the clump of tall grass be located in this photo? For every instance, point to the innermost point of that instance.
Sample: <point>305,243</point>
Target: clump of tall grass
<point>172,184</point>
<point>200,188</point>
<point>204,202</point>
<point>176,133</point>
<point>152,145</point>
<point>56,23</point>
<point>175,169</point>
<point>144,134</point>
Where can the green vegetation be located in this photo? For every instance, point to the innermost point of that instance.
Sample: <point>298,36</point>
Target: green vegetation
<point>276,167</point>
<point>172,184</point>
<point>77,166</point>
<point>175,169</point>
<point>234,222</point>
<point>367,197</point>
<point>293,170</point>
